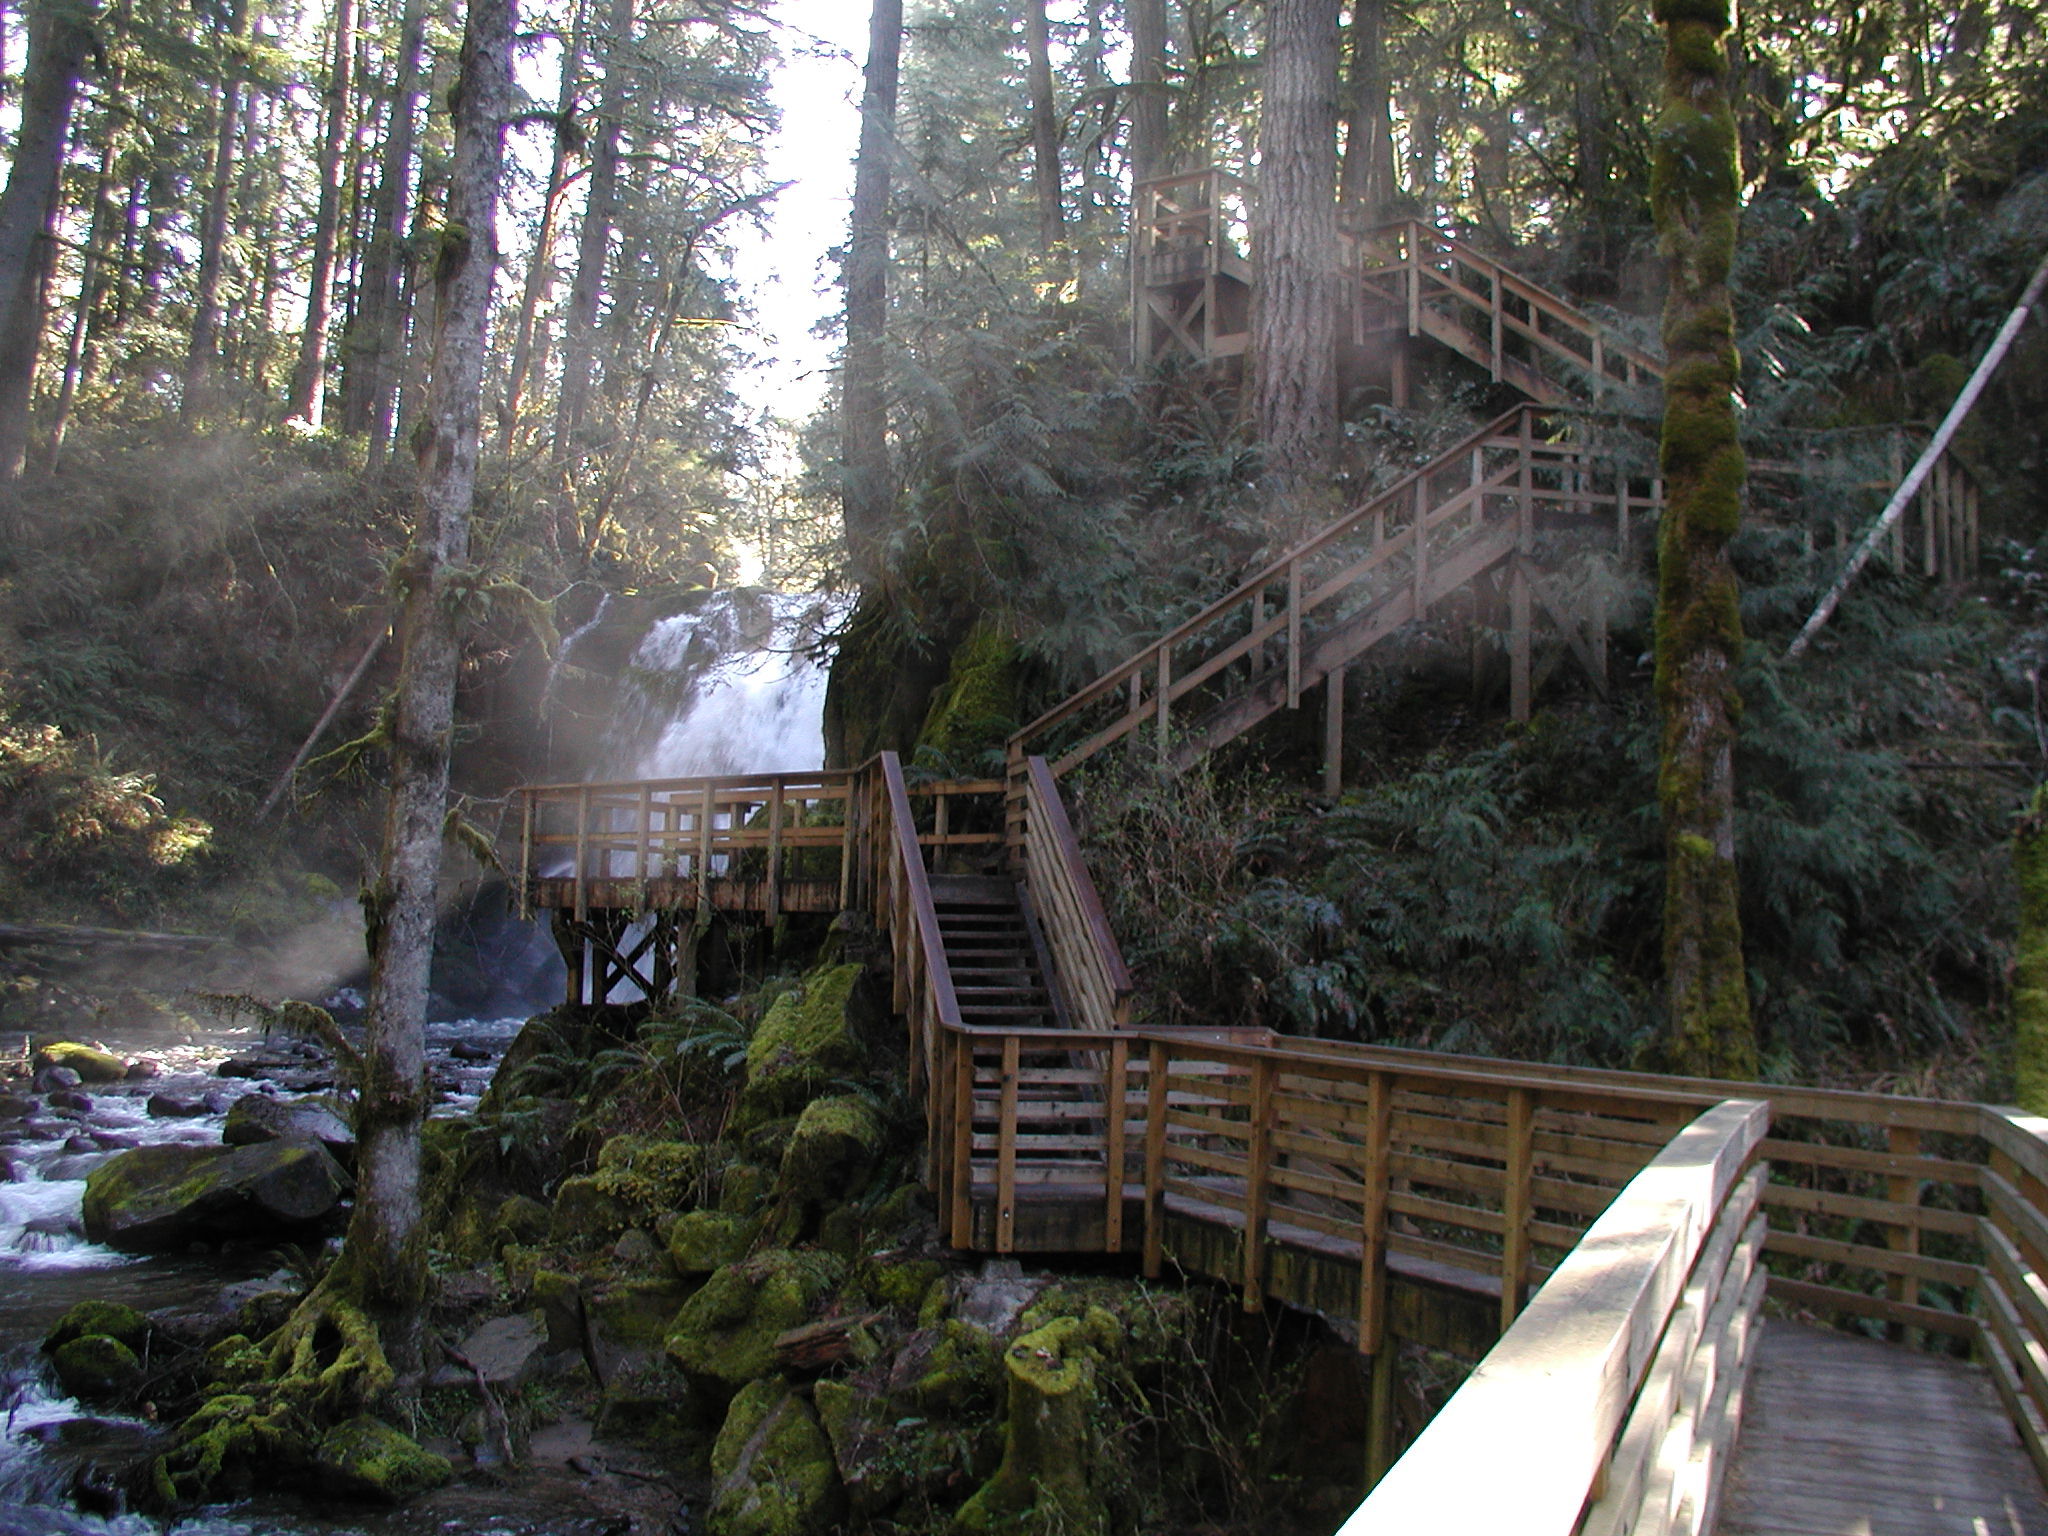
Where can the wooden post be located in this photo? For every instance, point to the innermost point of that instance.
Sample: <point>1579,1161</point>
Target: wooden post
<point>963,1141</point>
<point>582,904</point>
<point>1116,1093</point>
<point>1333,732</point>
<point>1379,1416</point>
<point>1418,532</point>
<point>705,813</point>
<point>775,803</point>
<point>1006,1150</point>
<point>1518,644</point>
<point>1902,1141</point>
<point>1414,281</point>
<point>1372,1274</point>
<point>526,819</point>
<point>1258,1170</point>
<point>1293,634</point>
<point>1164,703</point>
<point>852,884</point>
<point>1516,1205</point>
<point>1493,288</point>
<point>1258,651</point>
<point>1155,1160</point>
<point>642,843</point>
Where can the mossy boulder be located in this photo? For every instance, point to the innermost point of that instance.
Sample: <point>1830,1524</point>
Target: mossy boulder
<point>811,1036</point>
<point>110,1318</point>
<point>901,1284</point>
<point>155,1198</point>
<point>648,1176</point>
<point>586,1212</point>
<point>632,1315</point>
<point>774,1468</point>
<point>520,1219</point>
<point>950,1369</point>
<point>724,1336</point>
<point>976,708</point>
<point>367,1459</point>
<point>94,1368</point>
<point>831,1151</point>
<point>92,1064</point>
<point>235,1361</point>
<point>702,1241</point>
<point>1046,1480</point>
<point>257,1117</point>
<point>746,1188</point>
<point>230,1443</point>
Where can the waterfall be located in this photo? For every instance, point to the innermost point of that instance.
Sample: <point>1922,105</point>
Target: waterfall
<point>738,686</point>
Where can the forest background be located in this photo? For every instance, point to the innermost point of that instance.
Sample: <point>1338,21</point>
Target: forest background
<point>210,488</point>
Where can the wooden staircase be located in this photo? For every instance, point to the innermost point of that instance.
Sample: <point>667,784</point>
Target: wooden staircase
<point>996,953</point>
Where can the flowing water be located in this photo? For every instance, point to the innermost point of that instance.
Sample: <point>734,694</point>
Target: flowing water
<point>737,686</point>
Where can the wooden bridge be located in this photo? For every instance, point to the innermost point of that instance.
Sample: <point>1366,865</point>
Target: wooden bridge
<point>1602,1243</point>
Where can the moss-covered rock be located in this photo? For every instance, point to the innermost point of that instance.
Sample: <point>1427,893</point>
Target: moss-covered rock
<point>633,1315</point>
<point>162,1197</point>
<point>586,1212</point>
<point>950,1369</point>
<point>975,709</point>
<point>831,1151</point>
<point>648,1176</point>
<point>365,1458</point>
<point>92,1064</point>
<point>702,1241</point>
<point>106,1317</point>
<point>235,1361</point>
<point>520,1219</point>
<point>810,1036</point>
<point>724,1336</point>
<point>231,1442</point>
<point>746,1188</point>
<point>774,1467</point>
<point>94,1368</point>
<point>901,1284</point>
<point>1046,1479</point>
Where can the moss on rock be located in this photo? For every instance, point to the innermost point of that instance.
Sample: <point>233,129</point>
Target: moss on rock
<point>1046,1480</point>
<point>810,1036</point>
<point>92,1064</point>
<point>975,710</point>
<point>831,1151</point>
<point>724,1336</point>
<point>108,1317</point>
<point>648,1176</point>
<point>365,1458</point>
<point>586,1212</point>
<point>702,1241</point>
<point>95,1368</point>
<point>774,1467</point>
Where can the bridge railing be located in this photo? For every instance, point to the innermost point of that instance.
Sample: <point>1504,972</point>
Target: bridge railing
<point>2013,1294</point>
<point>1608,1407</point>
<point>1188,226</point>
<point>1408,543</point>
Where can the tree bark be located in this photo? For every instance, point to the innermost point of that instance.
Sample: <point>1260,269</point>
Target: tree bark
<point>60,33</point>
<point>213,233</point>
<point>866,496</point>
<point>1294,244</point>
<point>309,377</point>
<point>1694,195</point>
<point>373,348</point>
<point>1367,177</point>
<point>385,1249</point>
<point>1148,88</point>
<point>1045,127</point>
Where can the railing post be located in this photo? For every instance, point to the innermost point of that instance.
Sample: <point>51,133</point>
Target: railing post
<point>1006,1149</point>
<point>1164,703</point>
<point>582,906</point>
<point>1516,1204</point>
<point>1902,1141</point>
<point>1258,1169</point>
<point>526,821</point>
<point>1293,633</point>
<point>705,815</point>
<point>963,1141</point>
<point>1419,531</point>
<point>1414,280</point>
<point>1115,1094</point>
<point>775,804</point>
<point>1372,1274</point>
<point>1493,287</point>
<point>851,887</point>
<point>1155,1160</point>
<point>640,845</point>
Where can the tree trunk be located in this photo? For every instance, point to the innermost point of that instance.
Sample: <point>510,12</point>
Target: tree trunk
<point>540,273</point>
<point>309,377</point>
<point>92,280</point>
<point>372,350</point>
<point>385,1250</point>
<point>60,33</point>
<point>213,233</point>
<point>1148,87</point>
<point>1368,172</point>
<point>864,408</point>
<point>1294,242</point>
<point>1045,128</point>
<point>1694,193</point>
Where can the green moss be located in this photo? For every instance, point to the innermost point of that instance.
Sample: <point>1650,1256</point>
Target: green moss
<point>365,1458</point>
<point>635,1314</point>
<point>649,1176</point>
<point>231,1442</point>
<point>961,1374</point>
<point>774,1467</point>
<point>724,1336</point>
<point>95,1368</point>
<point>92,1064</point>
<point>746,1188</point>
<point>975,710</point>
<point>235,1361</point>
<point>809,1038</point>
<point>586,1212</point>
<point>702,1241</point>
<point>831,1151</point>
<point>106,1317</point>
<point>1046,1478</point>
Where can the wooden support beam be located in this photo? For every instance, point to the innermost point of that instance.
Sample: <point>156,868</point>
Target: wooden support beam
<point>1517,1206</point>
<point>1115,1094</point>
<point>1006,1149</point>
<point>1155,1160</point>
<point>1333,732</point>
<point>1258,1169</point>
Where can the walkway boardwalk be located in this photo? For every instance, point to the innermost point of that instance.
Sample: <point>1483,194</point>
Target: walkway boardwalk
<point>1849,1437</point>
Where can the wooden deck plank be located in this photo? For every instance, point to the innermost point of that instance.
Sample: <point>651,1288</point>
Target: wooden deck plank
<point>1849,1437</point>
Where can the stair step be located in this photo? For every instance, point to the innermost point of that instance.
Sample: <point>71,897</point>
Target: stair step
<point>974,890</point>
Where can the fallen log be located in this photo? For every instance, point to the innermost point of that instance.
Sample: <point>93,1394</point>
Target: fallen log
<point>65,936</point>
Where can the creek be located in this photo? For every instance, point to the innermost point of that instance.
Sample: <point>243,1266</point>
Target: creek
<point>736,685</point>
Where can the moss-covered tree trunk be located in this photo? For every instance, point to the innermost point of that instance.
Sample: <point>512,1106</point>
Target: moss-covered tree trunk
<point>369,1304</point>
<point>1694,195</point>
<point>2030,968</point>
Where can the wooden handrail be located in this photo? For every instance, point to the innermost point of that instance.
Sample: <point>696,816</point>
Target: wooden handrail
<point>1077,929</point>
<point>908,859</point>
<point>1550,1400</point>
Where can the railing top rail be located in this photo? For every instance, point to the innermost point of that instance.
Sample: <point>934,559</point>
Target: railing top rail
<point>923,913</point>
<point>1212,173</point>
<point>1544,1405</point>
<point>821,777</point>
